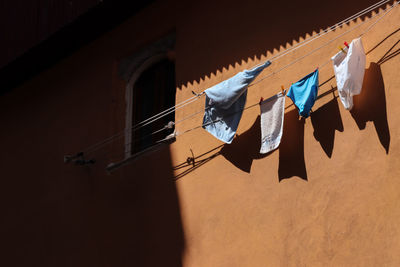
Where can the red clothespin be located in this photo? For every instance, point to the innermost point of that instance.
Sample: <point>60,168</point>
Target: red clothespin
<point>261,100</point>
<point>341,48</point>
<point>346,44</point>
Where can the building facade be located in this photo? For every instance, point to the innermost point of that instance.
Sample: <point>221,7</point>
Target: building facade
<point>326,197</point>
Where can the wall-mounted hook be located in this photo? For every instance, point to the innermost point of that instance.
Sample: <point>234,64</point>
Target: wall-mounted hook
<point>191,160</point>
<point>196,94</point>
<point>78,159</point>
<point>169,125</point>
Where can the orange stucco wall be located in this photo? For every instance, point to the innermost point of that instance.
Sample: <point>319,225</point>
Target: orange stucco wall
<point>327,197</point>
<point>339,207</point>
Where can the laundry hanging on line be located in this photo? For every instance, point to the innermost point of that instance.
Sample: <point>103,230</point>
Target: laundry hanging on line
<point>325,31</point>
<point>304,93</point>
<point>349,70</point>
<point>225,103</point>
<point>272,116</point>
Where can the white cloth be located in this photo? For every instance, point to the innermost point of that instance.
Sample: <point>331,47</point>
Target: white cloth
<point>272,114</point>
<point>349,72</point>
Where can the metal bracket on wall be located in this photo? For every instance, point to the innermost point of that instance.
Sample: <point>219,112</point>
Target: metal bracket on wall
<point>78,159</point>
<point>191,160</point>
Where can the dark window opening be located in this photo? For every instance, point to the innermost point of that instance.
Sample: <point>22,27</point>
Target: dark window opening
<point>153,92</point>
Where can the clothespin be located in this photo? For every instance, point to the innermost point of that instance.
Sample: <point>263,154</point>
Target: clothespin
<point>341,48</point>
<point>346,44</point>
<point>261,100</point>
<point>283,90</point>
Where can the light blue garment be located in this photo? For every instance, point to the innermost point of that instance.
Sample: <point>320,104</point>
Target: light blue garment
<point>304,93</point>
<point>225,103</point>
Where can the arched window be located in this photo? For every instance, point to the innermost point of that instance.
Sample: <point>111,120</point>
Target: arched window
<point>151,90</point>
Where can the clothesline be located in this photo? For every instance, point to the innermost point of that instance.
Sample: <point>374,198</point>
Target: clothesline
<point>277,56</point>
<point>113,166</point>
<point>196,97</point>
<point>327,43</point>
<point>274,58</point>
<point>284,67</point>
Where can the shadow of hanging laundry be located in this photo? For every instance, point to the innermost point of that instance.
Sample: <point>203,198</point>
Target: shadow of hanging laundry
<point>291,149</point>
<point>245,148</point>
<point>370,105</point>
<point>325,121</point>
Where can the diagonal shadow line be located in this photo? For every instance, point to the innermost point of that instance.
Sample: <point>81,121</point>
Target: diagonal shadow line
<point>384,59</point>
<point>383,40</point>
<point>186,163</point>
<point>332,90</point>
<point>390,49</point>
<point>196,165</point>
<point>388,57</point>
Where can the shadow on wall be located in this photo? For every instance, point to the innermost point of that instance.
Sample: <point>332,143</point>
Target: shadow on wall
<point>192,163</point>
<point>241,152</point>
<point>245,148</point>
<point>389,54</point>
<point>325,121</point>
<point>142,222</point>
<point>247,30</point>
<point>291,149</point>
<point>370,105</point>
<point>57,214</point>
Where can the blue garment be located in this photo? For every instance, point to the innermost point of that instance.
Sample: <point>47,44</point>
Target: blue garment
<point>225,103</point>
<point>304,93</point>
